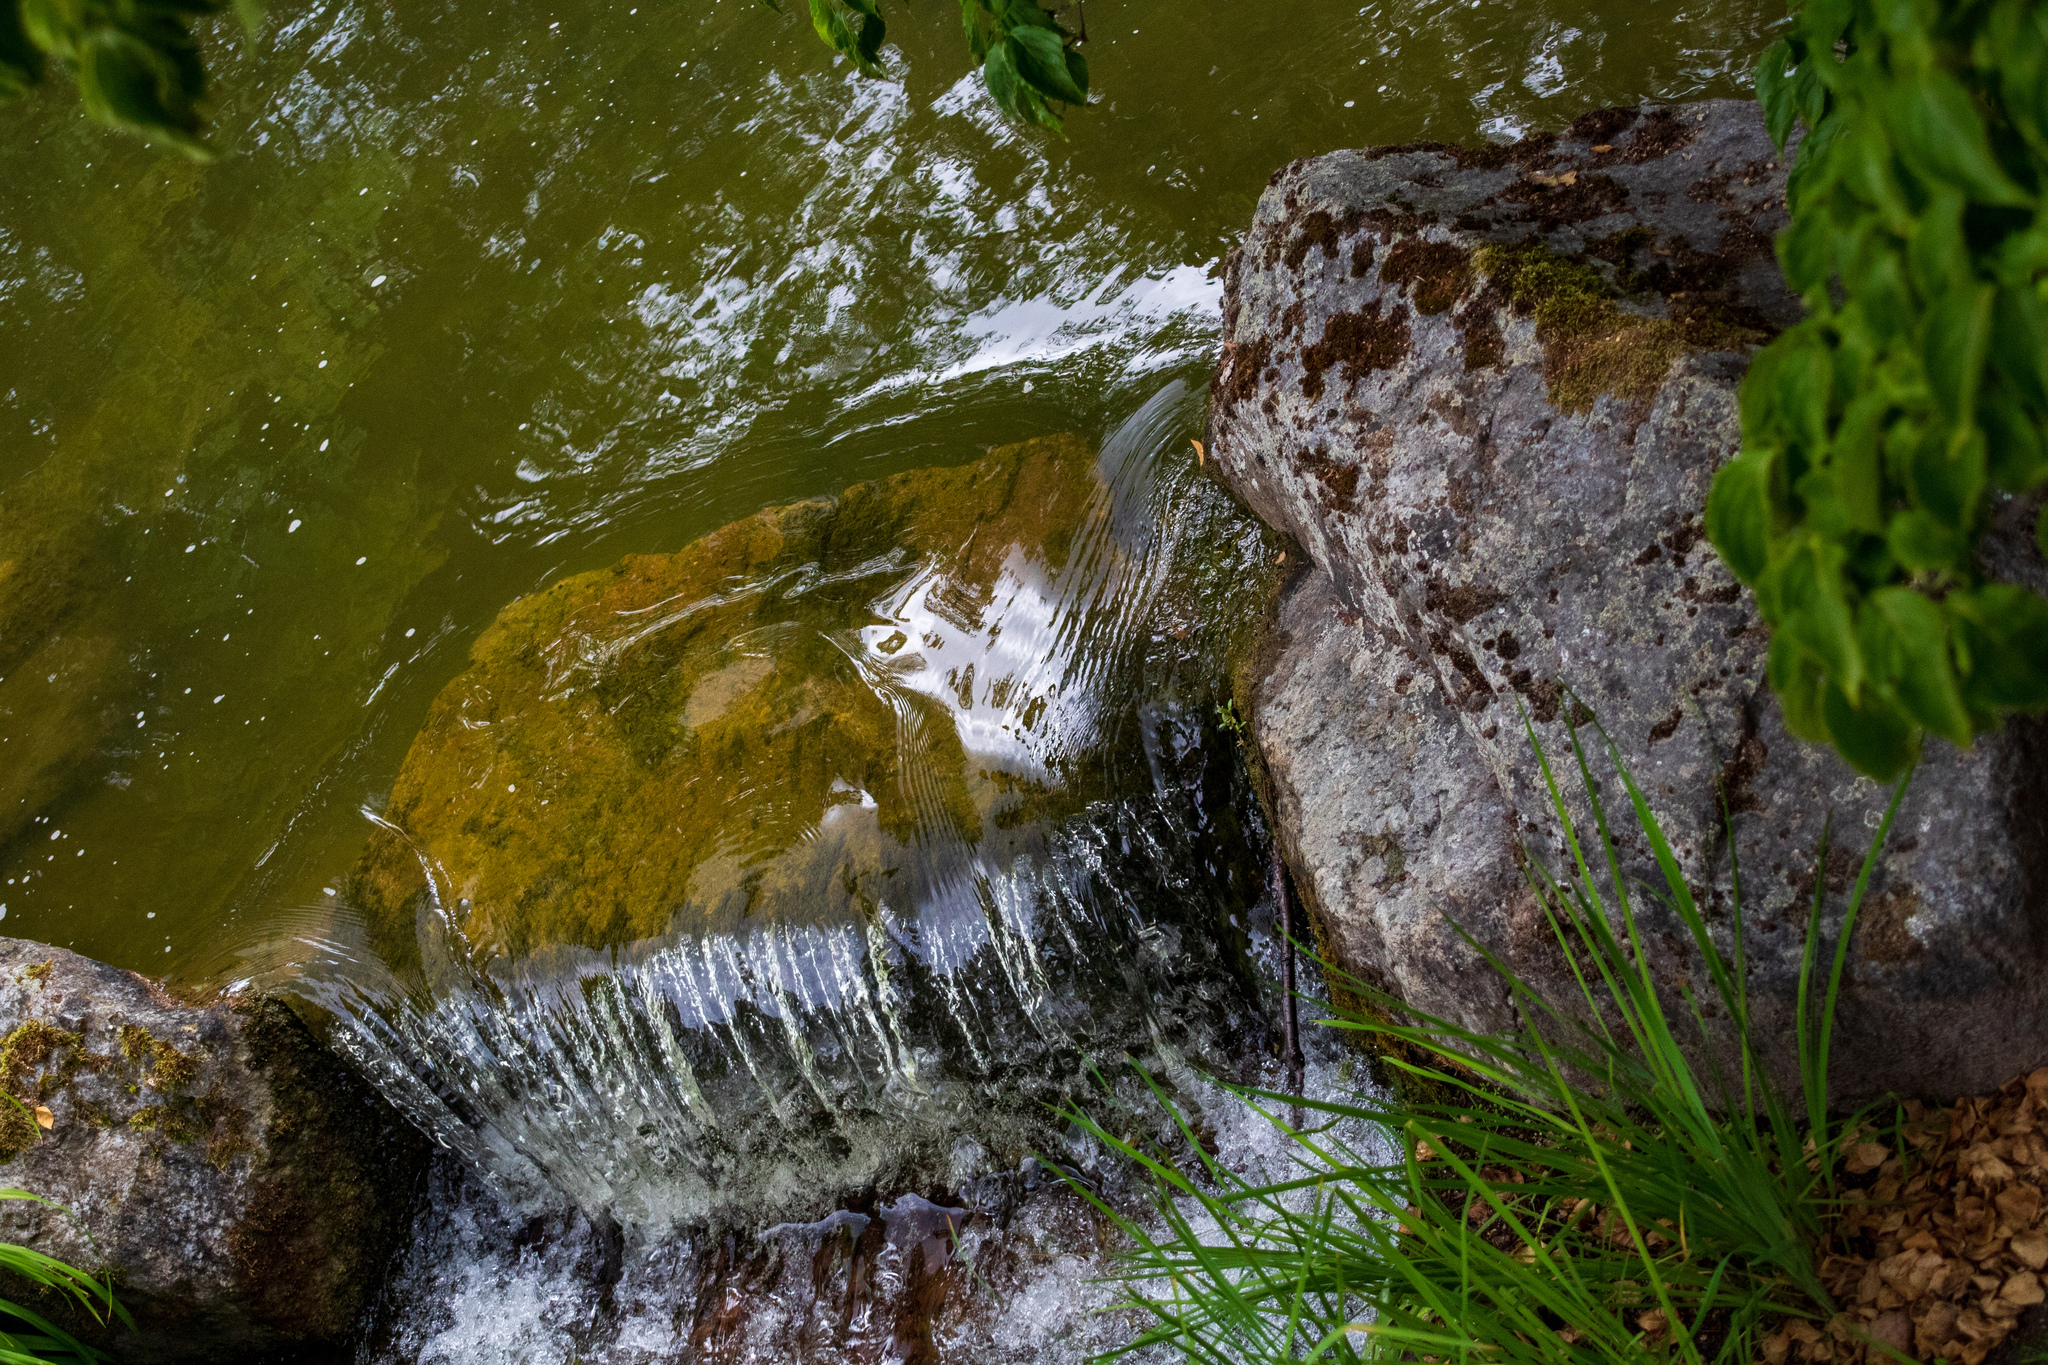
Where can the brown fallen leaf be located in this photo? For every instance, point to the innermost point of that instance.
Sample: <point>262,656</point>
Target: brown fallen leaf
<point>2031,1249</point>
<point>1568,178</point>
<point>1866,1156</point>
<point>2019,1204</point>
<point>44,1117</point>
<point>1604,147</point>
<point>1652,1322</point>
<point>1201,456</point>
<point>2023,1289</point>
<point>1282,559</point>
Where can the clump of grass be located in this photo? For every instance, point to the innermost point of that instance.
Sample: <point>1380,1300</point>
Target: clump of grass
<point>1588,1192</point>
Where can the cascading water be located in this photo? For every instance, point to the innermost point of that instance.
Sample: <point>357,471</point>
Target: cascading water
<point>487,301</point>
<point>752,1066</point>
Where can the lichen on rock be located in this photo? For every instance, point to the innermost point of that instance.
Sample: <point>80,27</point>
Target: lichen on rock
<point>1505,526</point>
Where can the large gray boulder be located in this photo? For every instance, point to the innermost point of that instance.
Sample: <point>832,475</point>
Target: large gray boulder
<point>245,1189</point>
<point>1486,391</point>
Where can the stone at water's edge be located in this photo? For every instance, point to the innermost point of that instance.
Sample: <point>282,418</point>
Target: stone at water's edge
<point>1486,391</point>
<point>245,1189</point>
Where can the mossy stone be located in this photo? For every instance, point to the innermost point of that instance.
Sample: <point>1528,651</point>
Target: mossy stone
<point>736,729</point>
<point>1591,345</point>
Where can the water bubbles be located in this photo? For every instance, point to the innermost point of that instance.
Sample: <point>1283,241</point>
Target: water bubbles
<point>296,522</point>
<point>409,631</point>
<point>190,548</point>
<point>379,280</point>
<point>323,364</point>
<point>362,560</point>
<point>219,699</point>
<point>323,447</point>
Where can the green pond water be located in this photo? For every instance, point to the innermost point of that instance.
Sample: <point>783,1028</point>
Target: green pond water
<point>485,296</point>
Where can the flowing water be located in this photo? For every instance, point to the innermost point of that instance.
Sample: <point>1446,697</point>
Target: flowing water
<point>485,298</point>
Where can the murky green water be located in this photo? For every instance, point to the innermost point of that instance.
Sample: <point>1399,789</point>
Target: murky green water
<point>487,295</point>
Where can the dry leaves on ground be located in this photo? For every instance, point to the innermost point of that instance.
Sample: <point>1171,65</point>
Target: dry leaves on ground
<point>1942,1245</point>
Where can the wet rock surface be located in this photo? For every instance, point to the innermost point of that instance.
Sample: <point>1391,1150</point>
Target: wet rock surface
<point>1486,391</point>
<point>244,1189</point>
<point>762,726</point>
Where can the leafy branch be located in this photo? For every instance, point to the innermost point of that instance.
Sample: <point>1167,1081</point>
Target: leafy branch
<point>138,68</point>
<point>1028,61</point>
<point>135,62</point>
<point>1883,431</point>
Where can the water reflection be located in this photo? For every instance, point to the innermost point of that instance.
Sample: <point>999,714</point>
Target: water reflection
<point>484,298</point>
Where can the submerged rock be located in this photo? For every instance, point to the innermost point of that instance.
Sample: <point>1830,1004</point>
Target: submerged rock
<point>731,882</point>
<point>1486,390</point>
<point>242,1186</point>
<point>776,722</point>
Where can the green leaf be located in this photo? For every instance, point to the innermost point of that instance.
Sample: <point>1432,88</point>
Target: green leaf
<point>2019,343</point>
<point>1803,253</point>
<point>1876,738</point>
<point>971,21</point>
<point>1817,614</point>
<point>869,44</point>
<point>1077,72</point>
<point>1854,460</point>
<point>1940,132</point>
<point>1955,346</point>
<point>1938,252</point>
<point>1739,513</point>
<point>2012,441</point>
<point>1042,61</point>
<point>130,85</point>
<point>2004,631</point>
<point>1798,680</point>
<point>1774,92</point>
<point>1805,385</point>
<point>999,73</point>
<point>1950,475</point>
<point>1923,543</point>
<point>1905,640</point>
<point>21,61</point>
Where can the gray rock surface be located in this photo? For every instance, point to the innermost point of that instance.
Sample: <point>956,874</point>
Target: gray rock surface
<point>1499,484</point>
<point>245,1189</point>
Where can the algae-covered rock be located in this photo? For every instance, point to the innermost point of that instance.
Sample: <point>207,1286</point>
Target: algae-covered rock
<point>242,1186</point>
<point>769,722</point>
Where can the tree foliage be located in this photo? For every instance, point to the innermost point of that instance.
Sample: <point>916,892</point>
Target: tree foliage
<point>138,68</point>
<point>1882,432</point>
<point>1028,61</point>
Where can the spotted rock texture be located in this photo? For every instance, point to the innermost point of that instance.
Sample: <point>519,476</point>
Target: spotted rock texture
<point>1486,391</point>
<point>244,1188</point>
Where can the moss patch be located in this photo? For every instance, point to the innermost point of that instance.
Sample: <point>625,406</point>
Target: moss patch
<point>1591,346</point>
<point>170,1069</point>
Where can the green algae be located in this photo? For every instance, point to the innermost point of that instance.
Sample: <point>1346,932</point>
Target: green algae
<point>699,738</point>
<point>1591,345</point>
